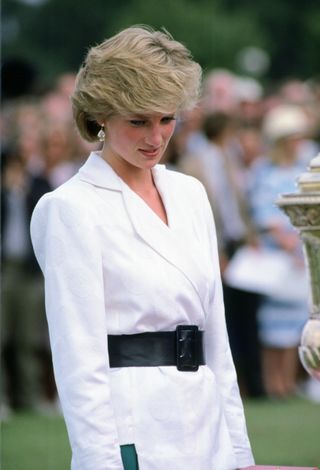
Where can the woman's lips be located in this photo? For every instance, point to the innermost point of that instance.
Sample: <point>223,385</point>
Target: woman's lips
<point>150,153</point>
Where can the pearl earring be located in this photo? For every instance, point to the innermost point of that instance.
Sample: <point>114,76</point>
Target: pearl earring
<point>101,134</point>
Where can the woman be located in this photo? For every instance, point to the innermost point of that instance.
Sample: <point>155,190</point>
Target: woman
<point>128,251</point>
<point>283,313</point>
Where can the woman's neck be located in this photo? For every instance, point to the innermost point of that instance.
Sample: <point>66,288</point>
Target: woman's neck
<point>138,179</point>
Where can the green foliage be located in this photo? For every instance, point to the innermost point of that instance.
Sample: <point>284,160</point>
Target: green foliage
<point>213,37</point>
<point>311,47</point>
<point>55,34</point>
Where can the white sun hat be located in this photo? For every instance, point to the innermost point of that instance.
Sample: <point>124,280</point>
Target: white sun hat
<point>285,121</point>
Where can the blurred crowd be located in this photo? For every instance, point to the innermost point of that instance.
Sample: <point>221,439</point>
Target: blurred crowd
<point>247,145</point>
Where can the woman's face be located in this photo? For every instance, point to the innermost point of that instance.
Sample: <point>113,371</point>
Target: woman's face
<point>137,141</point>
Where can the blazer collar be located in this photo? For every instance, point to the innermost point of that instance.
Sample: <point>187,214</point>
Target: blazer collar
<point>99,173</point>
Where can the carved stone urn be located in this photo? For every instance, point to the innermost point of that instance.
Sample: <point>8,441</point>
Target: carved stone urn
<point>303,209</point>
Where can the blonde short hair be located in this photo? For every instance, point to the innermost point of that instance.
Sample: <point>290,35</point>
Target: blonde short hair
<point>137,71</point>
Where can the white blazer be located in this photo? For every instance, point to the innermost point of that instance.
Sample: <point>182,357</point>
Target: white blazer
<point>111,266</point>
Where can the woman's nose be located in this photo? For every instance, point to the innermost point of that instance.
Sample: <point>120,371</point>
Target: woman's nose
<point>154,136</point>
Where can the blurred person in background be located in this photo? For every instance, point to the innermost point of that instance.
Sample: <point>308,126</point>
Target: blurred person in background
<point>218,167</point>
<point>62,149</point>
<point>188,133</point>
<point>300,93</point>
<point>282,316</point>
<point>220,91</point>
<point>55,104</point>
<point>58,146</point>
<point>249,101</point>
<point>41,149</point>
<point>215,166</point>
<point>23,328</point>
<point>128,251</point>
<point>250,149</point>
<point>23,119</point>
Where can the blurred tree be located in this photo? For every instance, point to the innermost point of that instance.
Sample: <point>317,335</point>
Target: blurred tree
<point>18,78</point>
<point>214,37</point>
<point>55,34</point>
<point>292,32</point>
<point>311,40</point>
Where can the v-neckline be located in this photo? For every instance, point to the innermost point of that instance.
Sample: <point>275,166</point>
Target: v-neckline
<point>149,208</point>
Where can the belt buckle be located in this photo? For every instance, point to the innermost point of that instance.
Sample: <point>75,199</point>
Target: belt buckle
<point>186,348</point>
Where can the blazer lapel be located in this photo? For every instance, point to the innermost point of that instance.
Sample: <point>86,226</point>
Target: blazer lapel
<point>170,241</point>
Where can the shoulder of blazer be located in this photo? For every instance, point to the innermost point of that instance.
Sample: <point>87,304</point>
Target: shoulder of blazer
<point>73,195</point>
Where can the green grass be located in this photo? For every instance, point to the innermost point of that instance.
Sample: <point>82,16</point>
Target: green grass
<point>283,433</point>
<point>33,442</point>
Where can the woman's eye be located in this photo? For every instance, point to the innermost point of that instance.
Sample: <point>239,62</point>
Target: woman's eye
<point>137,122</point>
<point>167,119</point>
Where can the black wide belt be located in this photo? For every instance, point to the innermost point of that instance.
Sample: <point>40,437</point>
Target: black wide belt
<point>182,348</point>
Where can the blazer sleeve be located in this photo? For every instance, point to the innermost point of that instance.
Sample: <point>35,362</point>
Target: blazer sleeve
<point>68,251</point>
<point>218,354</point>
